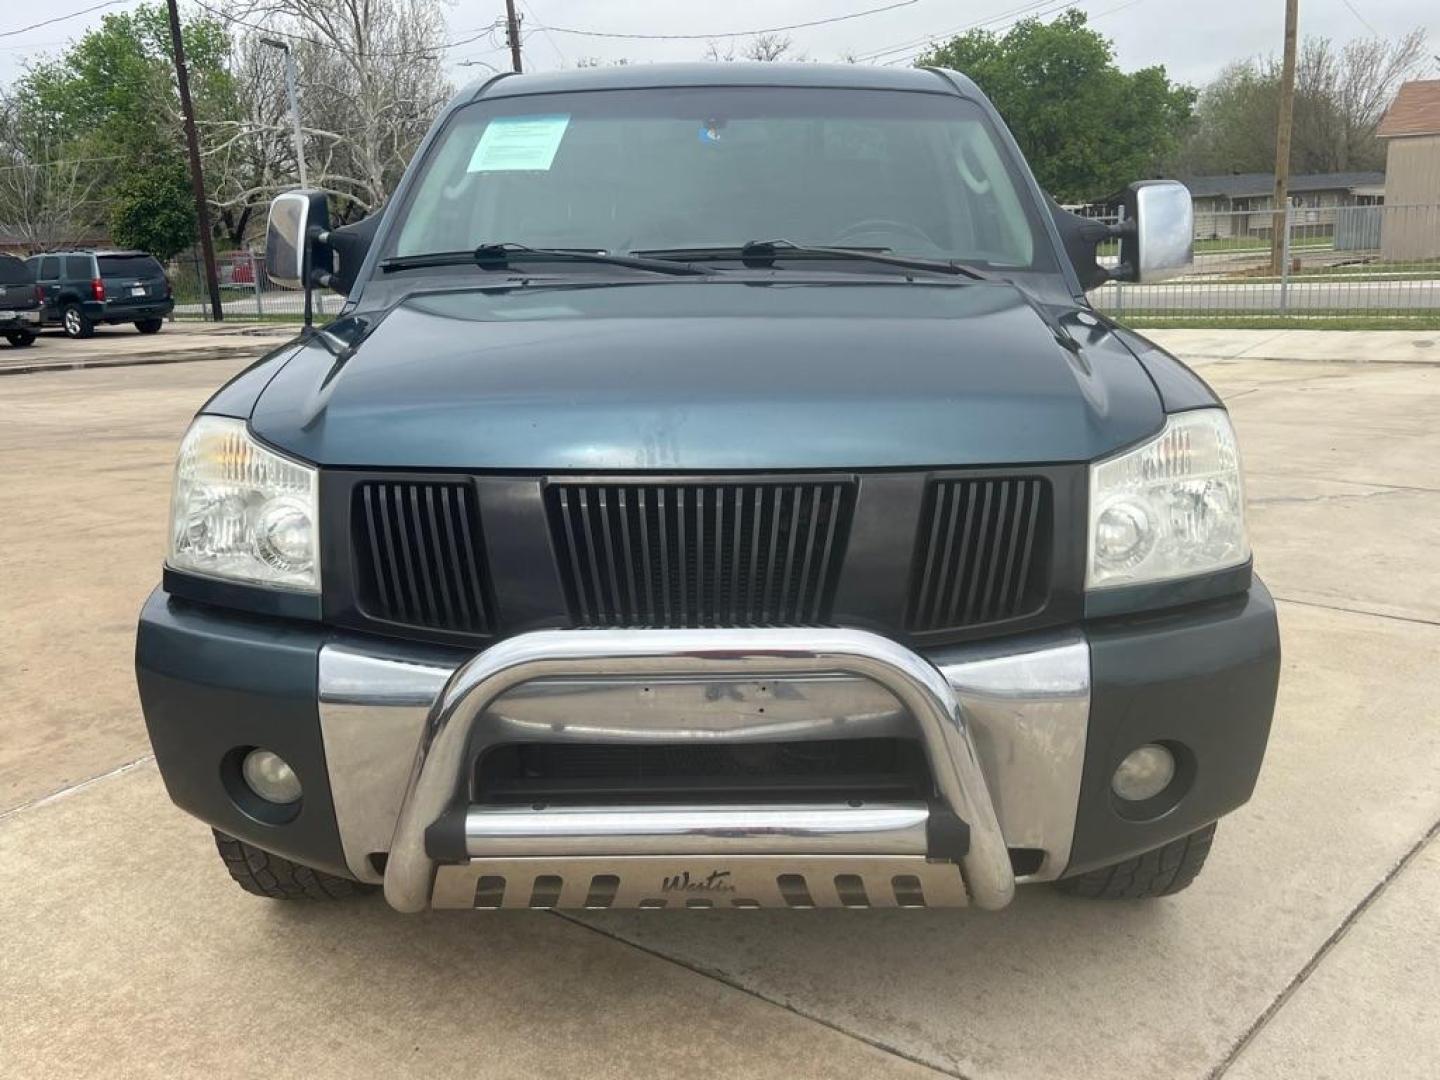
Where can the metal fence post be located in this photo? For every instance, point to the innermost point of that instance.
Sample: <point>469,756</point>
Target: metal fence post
<point>255,280</point>
<point>1119,285</point>
<point>199,282</point>
<point>1285,262</point>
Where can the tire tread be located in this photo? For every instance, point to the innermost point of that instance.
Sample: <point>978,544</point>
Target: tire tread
<point>1163,871</point>
<point>276,878</point>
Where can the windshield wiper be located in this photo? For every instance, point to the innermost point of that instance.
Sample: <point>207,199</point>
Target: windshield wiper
<point>498,256</point>
<point>765,252</point>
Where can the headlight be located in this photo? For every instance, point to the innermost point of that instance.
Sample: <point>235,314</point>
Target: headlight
<point>240,510</point>
<point>1171,508</point>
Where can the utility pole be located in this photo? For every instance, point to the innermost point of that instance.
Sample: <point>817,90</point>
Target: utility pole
<point>1280,221</point>
<point>293,95</point>
<point>512,34</point>
<point>197,178</point>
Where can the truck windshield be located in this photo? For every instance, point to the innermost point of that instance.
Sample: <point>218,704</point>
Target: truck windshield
<point>620,171</point>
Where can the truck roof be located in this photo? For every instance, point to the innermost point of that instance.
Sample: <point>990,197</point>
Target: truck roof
<point>653,76</point>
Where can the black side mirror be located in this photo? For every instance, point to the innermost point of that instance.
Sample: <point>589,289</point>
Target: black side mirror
<point>351,243</point>
<point>1082,237</point>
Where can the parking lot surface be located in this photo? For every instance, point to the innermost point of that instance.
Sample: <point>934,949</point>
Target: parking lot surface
<point>1310,947</point>
<point>123,346</point>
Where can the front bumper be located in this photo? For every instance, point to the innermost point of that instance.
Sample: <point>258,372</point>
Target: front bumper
<point>1041,720</point>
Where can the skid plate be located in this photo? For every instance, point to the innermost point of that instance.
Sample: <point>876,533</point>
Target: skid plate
<point>700,881</point>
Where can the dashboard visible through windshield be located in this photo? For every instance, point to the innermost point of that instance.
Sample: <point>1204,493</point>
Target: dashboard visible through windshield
<point>622,171</point>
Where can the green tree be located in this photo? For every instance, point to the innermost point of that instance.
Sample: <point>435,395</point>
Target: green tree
<point>152,208</point>
<point>1087,127</point>
<point>110,103</point>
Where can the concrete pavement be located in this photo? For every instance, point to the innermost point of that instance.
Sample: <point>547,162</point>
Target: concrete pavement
<point>1201,347</point>
<point>1308,948</point>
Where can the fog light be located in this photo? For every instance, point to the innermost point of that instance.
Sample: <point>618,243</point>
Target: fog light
<point>1145,773</point>
<point>270,776</point>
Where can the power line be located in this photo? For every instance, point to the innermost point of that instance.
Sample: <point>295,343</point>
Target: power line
<point>63,18</point>
<point>550,37</point>
<point>58,162</point>
<point>417,53</point>
<point>730,33</point>
<point>1113,10</point>
<point>1363,21</point>
<point>925,40</point>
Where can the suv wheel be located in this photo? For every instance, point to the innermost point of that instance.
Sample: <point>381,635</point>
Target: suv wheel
<point>268,875</point>
<point>1161,871</point>
<point>149,326</point>
<point>75,322</point>
<point>20,338</point>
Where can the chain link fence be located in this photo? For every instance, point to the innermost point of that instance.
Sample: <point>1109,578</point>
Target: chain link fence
<point>1341,263</point>
<point>246,293</point>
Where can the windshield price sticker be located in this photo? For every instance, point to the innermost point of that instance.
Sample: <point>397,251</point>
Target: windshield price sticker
<point>519,143</point>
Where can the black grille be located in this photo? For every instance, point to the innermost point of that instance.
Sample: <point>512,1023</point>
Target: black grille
<point>841,768</point>
<point>699,554</point>
<point>983,552</point>
<point>418,555</point>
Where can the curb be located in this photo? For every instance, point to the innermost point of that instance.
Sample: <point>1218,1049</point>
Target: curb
<point>137,360</point>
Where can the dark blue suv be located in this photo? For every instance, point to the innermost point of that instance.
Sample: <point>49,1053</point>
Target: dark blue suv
<point>83,288</point>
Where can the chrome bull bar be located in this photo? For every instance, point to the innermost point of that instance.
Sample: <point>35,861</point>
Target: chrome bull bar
<point>461,724</point>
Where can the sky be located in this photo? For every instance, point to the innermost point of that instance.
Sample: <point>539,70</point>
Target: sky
<point>1192,40</point>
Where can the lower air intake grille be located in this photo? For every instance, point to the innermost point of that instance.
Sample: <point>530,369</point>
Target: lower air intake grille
<point>418,555</point>
<point>700,554</point>
<point>984,552</point>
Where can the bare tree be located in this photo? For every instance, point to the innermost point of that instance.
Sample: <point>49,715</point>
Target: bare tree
<point>770,47</point>
<point>45,202</point>
<point>1340,96</point>
<point>250,154</point>
<point>371,82</point>
<point>1371,71</point>
<point>766,48</point>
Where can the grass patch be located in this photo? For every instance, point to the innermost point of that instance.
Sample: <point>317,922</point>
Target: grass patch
<point>283,318</point>
<point>1258,245</point>
<point>1429,320</point>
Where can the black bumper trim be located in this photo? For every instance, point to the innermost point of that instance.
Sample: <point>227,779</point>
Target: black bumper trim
<point>213,680</point>
<point>1203,678</point>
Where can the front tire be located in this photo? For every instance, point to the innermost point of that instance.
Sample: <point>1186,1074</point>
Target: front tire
<point>20,338</point>
<point>1162,871</point>
<point>277,878</point>
<point>149,326</point>
<point>76,323</point>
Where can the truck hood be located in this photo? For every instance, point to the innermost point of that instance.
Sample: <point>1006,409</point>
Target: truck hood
<point>709,375</point>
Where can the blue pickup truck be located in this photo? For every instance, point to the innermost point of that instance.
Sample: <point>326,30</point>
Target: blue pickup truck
<point>717,491</point>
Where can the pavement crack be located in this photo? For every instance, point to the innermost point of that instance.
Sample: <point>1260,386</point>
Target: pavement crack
<point>65,792</point>
<point>1338,935</point>
<point>1334,496</point>
<point>1357,611</point>
<point>726,980</point>
<point>1418,488</point>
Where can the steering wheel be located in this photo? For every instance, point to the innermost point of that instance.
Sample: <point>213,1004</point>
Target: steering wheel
<point>881,227</point>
